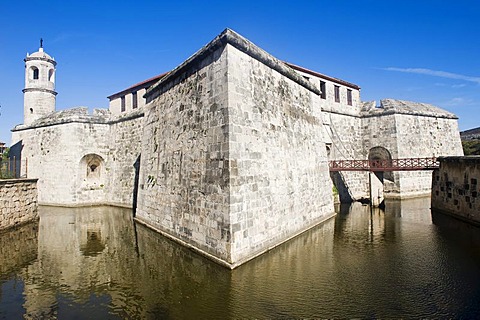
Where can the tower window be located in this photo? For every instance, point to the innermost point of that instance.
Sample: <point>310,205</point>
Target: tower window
<point>51,75</point>
<point>349,97</point>
<point>337,93</point>
<point>35,73</point>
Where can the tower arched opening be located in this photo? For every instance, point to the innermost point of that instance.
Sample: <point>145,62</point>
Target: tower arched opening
<point>34,73</point>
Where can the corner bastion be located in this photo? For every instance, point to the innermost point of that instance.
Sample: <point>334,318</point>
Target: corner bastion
<point>233,160</point>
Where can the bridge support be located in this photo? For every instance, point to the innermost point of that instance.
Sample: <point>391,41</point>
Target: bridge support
<point>375,182</point>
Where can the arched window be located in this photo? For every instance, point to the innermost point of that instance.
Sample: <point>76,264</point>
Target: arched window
<point>51,75</point>
<point>92,169</point>
<point>35,73</point>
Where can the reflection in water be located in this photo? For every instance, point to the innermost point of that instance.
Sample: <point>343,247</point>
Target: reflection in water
<point>96,263</point>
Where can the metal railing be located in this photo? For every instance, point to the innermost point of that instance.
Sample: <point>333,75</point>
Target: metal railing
<point>405,164</point>
<point>11,168</point>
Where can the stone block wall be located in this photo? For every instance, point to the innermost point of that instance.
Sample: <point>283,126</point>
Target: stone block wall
<point>54,155</point>
<point>125,136</point>
<point>345,134</point>
<point>18,202</point>
<point>410,130</point>
<point>279,178</point>
<point>62,151</point>
<point>456,187</point>
<point>424,136</point>
<point>185,161</point>
<point>233,159</point>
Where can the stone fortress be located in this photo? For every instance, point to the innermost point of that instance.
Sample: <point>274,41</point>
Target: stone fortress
<point>227,153</point>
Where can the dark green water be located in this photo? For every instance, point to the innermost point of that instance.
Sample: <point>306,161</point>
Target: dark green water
<point>95,263</point>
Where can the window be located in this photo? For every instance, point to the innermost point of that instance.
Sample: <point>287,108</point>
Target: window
<point>349,97</point>
<point>122,99</point>
<point>35,73</point>
<point>134,100</point>
<point>323,90</point>
<point>50,75</point>
<point>337,93</point>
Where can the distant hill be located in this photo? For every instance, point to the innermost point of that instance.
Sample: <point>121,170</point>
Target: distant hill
<point>470,134</point>
<point>471,141</point>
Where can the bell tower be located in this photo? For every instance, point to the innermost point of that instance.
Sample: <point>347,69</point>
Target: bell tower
<point>39,93</point>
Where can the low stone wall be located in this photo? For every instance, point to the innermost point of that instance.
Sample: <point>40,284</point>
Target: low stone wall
<point>18,202</point>
<point>456,186</point>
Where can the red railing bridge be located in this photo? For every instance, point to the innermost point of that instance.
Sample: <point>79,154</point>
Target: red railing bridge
<point>405,164</point>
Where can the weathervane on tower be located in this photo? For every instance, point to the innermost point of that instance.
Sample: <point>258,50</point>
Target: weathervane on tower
<point>41,42</point>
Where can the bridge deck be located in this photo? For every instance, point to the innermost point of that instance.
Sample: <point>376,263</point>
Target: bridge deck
<point>405,164</point>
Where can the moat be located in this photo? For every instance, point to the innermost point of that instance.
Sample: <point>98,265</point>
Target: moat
<point>96,263</point>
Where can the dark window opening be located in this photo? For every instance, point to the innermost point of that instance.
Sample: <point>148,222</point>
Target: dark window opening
<point>50,75</point>
<point>93,168</point>
<point>31,110</point>
<point>337,93</point>
<point>349,97</point>
<point>134,100</point>
<point>35,74</point>
<point>122,103</point>
<point>323,90</point>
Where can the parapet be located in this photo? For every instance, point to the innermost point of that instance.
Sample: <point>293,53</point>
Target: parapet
<point>392,106</point>
<point>78,114</point>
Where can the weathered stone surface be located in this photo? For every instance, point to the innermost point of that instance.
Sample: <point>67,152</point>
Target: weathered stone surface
<point>456,187</point>
<point>392,106</point>
<point>410,130</point>
<point>18,202</point>
<point>54,149</point>
<point>234,160</point>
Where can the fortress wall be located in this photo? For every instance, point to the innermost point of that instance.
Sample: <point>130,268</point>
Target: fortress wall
<point>456,186</point>
<point>125,149</point>
<point>54,153</point>
<point>345,132</point>
<point>184,174</point>
<point>422,136</point>
<point>18,202</point>
<point>381,131</point>
<point>279,178</point>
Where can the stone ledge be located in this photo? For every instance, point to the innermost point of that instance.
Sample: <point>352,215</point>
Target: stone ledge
<point>80,115</point>
<point>13,181</point>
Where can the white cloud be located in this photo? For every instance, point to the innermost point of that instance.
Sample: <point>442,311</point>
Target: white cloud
<point>458,102</point>
<point>435,73</point>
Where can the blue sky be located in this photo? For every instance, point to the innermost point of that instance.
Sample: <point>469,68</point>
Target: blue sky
<point>422,50</point>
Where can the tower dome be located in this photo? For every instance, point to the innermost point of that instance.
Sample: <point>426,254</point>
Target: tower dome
<point>39,93</point>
